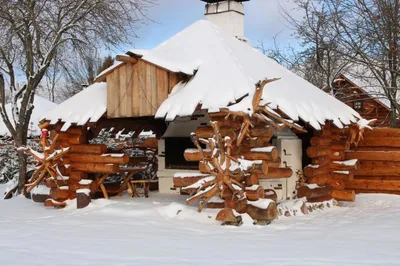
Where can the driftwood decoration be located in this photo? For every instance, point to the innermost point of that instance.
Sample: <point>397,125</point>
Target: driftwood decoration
<point>234,153</point>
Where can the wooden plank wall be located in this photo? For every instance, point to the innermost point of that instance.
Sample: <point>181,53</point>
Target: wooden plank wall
<point>137,90</point>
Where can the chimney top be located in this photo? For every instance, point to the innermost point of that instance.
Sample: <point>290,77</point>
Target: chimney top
<point>227,14</point>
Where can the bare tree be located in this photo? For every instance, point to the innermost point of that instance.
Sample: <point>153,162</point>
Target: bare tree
<point>369,37</point>
<point>317,59</point>
<point>34,31</point>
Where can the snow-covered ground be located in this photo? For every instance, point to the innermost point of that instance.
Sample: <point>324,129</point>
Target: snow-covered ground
<point>161,230</point>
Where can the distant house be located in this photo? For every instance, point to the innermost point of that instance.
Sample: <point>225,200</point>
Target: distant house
<point>366,101</point>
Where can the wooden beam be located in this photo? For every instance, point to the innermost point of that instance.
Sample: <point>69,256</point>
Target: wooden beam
<point>126,59</point>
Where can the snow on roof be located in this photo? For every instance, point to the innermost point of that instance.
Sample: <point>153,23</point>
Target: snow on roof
<point>228,69</point>
<point>88,105</point>
<point>42,106</point>
<point>366,81</point>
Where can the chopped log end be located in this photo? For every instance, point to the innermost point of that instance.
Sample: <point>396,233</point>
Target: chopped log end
<point>270,194</point>
<point>41,198</point>
<point>269,214</point>
<point>228,217</point>
<point>83,198</point>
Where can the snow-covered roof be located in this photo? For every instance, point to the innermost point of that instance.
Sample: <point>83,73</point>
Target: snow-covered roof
<point>227,69</point>
<point>41,105</point>
<point>88,105</point>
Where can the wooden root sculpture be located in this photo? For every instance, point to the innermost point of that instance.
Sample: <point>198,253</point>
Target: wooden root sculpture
<point>238,154</point>
<point>48,161</point>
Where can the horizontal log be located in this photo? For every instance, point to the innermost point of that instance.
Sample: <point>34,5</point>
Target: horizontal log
<point>344,166</point>
<point>76,130</point>
<point>95,167</point>
<point>320,141</point>
<point>373,155</point>
<point>342,176</point>
<point>317,151</point>
<point>272,155</point>
<point>313,193</point>
<point>72,139</point>
<point>137,160</point>
<point>377,177</point>
<point>276,173</point>
<point>326,180</point>
<point>187,181</point>
<point>255,194</point>
<point>344,195</point>
<point>374,191</point>
<point>320,199</point>
<point>88,149</point>
<point>310,171</point>
<point>208,132</point>
<point>382,132</point>
<point>104,158</point>
<point>77,175</point>
<point>373,168</point>
<point>321,161</point>
<point>61,194</point>
<point>266,132</point>
<point>215,205</point>
<point>194,155</point>
<point>149,143</point>
<point>267,215</point>
<point>373,184</point>
<point>380,142</point>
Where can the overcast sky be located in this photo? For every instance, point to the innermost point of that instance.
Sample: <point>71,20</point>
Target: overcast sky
<point>263,21</point>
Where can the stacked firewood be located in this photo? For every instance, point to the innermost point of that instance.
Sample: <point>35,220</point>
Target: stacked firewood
<point>329,170</point>
<point>379,156</point>
<point>234,153</point>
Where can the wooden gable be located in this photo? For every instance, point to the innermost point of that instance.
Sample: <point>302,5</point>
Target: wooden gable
<point>361,101</point>
<point>137,88</point>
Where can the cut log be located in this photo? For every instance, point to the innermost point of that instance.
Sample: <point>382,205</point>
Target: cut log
<point>208,132</point>
<point>228,218</point>
<point>270,194</point>
<point>265,132</point>
<point>215,205</point>
<point>313,193</point>
<point>377,177</point>
<point>322,161</point>
<point>267,215</point>
<point>310,171</point>
<point>320,199</point>
<point>326,180</point>
<point>320,141</point>
<point>373,155</point>
<point>344,195</point>
<point>104,158</point>
<point>374,191</point>
<point>251,180</point>
<point>88,149</point>
<point>61,194</point>
<point>383,185</point>
<point>380,142</point>
<point>55,204</point>
<point>194,155</point>
<point>276,173</point>
<point>314,152</point>
<point>342,175</point>
<point>273,155</point>
<point>72,139</point>
<point>382,132</point>
<point>186,181</point>
<point>255,192</point>
<point>77,175</point>
<point>95,167</point>
<point>83,198</point>
<point>76,130</point>
<point>371,168</point>
<point>344,166</point>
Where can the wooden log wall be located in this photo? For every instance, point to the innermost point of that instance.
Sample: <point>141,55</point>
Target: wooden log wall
<point>378,154</point>
<point>330,170</point>
<point>81,160</point>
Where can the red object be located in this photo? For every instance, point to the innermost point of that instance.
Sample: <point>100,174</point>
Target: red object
<point>45,132</point>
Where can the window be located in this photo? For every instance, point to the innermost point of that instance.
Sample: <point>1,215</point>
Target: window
<point>358,105</point>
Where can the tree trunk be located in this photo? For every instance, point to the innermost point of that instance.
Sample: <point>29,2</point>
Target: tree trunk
<point>393,116</point>
<point>22,162</point>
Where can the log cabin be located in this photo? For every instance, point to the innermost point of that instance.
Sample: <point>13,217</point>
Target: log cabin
<point>207,79</point>
<point>368,102</point>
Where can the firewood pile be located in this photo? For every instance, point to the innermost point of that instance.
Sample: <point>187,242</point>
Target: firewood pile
<point>234,153</point>
<point>378,154</point>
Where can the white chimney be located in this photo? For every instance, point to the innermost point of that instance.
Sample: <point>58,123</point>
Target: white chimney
<point>227,14</point>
